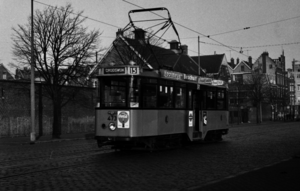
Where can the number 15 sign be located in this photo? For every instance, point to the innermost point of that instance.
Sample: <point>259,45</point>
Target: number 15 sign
<point>132,70</point>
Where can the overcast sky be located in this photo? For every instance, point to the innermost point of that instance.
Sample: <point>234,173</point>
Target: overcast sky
<point>274,24</point>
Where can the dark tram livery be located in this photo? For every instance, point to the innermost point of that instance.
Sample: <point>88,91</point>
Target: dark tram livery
<point>142,108</point>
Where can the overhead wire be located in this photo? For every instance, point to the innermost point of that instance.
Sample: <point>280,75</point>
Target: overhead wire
<point>245,28</point>
<point>258,46</point>
<point>207,36</point>
<point>255,26</point>
<point>105,23</point>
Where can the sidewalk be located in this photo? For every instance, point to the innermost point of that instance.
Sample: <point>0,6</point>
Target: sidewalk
<point>45,138</point>
<point>233,125</point>
<point>281,176</point>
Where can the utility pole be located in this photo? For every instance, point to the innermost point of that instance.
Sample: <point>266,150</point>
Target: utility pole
<point>199,66</point>
<point>32,92</point>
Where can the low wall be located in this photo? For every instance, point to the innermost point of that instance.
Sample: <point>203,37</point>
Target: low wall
<point>21,126</point>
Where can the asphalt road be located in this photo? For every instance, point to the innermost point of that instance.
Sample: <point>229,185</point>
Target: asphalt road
<point>80,165</point>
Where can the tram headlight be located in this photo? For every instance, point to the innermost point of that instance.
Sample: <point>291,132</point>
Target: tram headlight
<point>112,126</point>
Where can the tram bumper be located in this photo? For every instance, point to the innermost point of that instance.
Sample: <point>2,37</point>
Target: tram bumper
<point>102,141</point>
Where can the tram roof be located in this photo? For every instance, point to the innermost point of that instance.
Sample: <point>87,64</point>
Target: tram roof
<point>159,57</point>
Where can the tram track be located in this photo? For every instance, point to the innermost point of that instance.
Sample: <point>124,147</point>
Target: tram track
<point>48,156</point>
<point>258,130</point>
<point>42,153</point>
<point>49,164</point>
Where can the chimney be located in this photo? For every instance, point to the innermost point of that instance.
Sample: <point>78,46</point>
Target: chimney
<point>264,61</point>
<point>119,33</point>
<point>282,60</point>
<point>250,61</point>
<point>237,61</point>
<point>232,61</point>
<point>139,34</point>
<point>174,46</point>
<point>293,64</point>
<point>184,49</point>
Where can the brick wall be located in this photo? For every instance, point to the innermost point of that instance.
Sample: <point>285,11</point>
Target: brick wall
<point>77,115</point>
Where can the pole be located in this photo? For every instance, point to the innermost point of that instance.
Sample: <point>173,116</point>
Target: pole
<point>32,92</point>
<point>199,66</point>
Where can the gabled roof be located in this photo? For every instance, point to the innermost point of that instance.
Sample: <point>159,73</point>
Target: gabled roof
<point>212,63</point>
<point>244,63</point>
<point>3,69</point>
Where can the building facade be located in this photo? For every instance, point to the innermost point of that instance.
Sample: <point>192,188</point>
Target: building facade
<point>277,105</point>
<point>240,108</point>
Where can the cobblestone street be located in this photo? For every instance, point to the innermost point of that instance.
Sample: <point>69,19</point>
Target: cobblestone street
<point>80,165</point>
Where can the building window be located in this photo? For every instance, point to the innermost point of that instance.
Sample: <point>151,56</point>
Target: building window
<point>4,75</point>
<point>242,68</point>
<point>298,87</point>
<point>270,66</point>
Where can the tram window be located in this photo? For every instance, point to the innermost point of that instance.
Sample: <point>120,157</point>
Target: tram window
<point>134,92</point>
<point>149,96</point>
<point>190,100</point>
<point>150,80</point>
<point>165,96</point>
<point>203,100</point>
<point>211,99</point>
<point>115,93</point>
<point>180,84</point>
<point>221,99</point>
<point>180,97</point>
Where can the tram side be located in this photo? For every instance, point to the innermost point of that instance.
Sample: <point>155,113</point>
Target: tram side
<point>143,110</point>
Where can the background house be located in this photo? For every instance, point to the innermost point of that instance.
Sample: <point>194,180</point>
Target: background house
<point>215,66</point>
<point>239,106</point>
<point>4,73</point>
<point>275,107</point>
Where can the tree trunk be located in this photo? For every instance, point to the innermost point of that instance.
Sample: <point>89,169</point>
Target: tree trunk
<point>56,126</point>
<point>260,111</point>
<point>257,113</point>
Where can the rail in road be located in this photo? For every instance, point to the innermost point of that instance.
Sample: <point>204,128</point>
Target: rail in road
<point>81,165</point>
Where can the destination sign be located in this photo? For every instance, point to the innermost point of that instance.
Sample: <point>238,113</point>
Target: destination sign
<point>114,70</point>
<point>120,70</point>
<point>217,83</point>
<point>188,77</point>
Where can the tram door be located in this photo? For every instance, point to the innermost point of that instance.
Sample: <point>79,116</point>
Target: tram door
<point>197,109</point>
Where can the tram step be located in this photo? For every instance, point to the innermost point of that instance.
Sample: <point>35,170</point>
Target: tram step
<point>196,134</point>
<point>197,139</point>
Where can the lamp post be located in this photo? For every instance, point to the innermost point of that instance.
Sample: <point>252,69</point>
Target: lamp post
<point>32,92</point>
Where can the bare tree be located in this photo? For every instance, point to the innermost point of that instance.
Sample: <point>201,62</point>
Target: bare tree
<point>258,90</point>
<point>62,45</point>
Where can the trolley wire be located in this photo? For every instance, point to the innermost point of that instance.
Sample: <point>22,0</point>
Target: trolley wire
<point>231,31</point>
<point>258,46</point>
<point>255,26</point>
<point>203,35</point>
<point>102,22</point>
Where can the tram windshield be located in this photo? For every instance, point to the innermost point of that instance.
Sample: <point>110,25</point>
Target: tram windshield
<point>114,92</point>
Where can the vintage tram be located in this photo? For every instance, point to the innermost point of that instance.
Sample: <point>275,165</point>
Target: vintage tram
<point>153,108</point>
